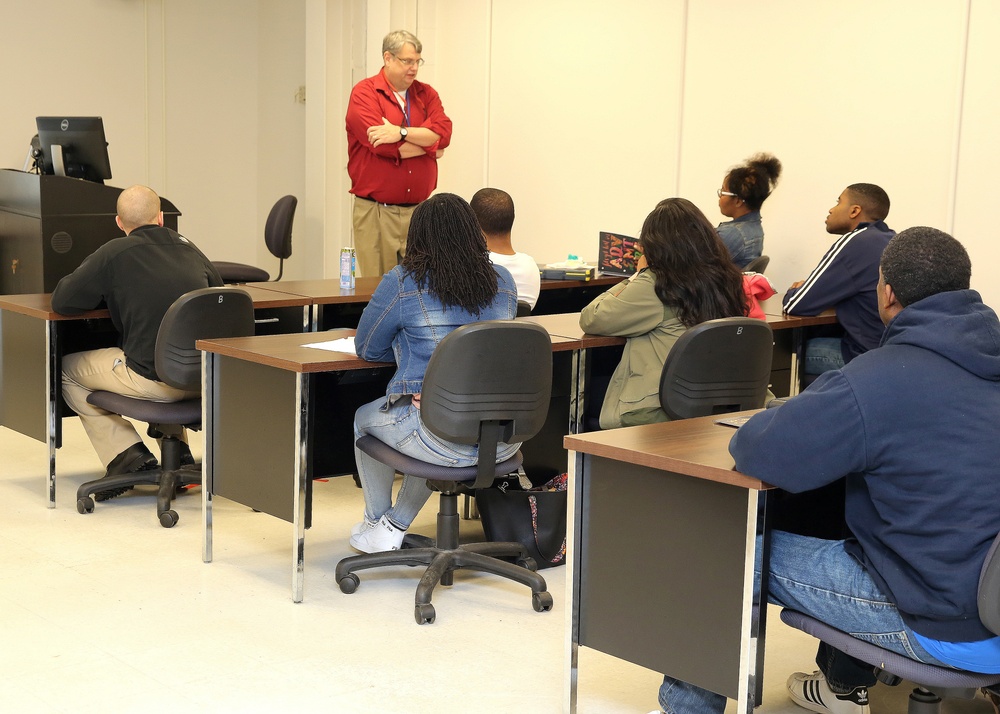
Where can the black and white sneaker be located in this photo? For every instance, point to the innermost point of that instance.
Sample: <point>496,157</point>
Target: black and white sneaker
<point>813,693</point>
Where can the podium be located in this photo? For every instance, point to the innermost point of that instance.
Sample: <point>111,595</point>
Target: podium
<point>50,224</point>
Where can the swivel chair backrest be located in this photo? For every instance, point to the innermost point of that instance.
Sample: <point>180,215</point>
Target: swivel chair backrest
<point>716,367</point>
<point>495,371</point>
<point>278,230</point>
<point>757,265</point>
<point>989,589</point>
<point>200,314</point>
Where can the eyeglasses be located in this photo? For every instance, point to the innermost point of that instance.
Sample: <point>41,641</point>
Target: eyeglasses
<point>722,193</point>
<point>409,62</point>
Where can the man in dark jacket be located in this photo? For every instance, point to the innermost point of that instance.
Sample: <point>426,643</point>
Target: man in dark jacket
<point>138,277</point>
<point>845,279</point>
<point>911,426</point>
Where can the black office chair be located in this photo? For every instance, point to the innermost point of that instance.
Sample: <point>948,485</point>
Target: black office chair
<point>717,367</point>
<point>200,314</point>
<point>486,383</point>
<point>757,265</point>
<point>933,683</point>
<point>523,309</point>
<point>277,237</point>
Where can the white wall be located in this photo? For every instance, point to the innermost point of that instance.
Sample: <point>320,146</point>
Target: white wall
<point>53,66</point>
<point>198,101</point>
<point>979,152</point>
<point>589,112</point>
<point>837,104</point>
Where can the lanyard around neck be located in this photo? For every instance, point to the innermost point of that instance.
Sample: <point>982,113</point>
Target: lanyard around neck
<point>404,102</point>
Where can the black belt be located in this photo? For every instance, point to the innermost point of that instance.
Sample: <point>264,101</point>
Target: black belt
<point>399,205</point>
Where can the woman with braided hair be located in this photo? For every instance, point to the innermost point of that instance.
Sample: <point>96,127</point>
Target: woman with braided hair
<point>445,281</point>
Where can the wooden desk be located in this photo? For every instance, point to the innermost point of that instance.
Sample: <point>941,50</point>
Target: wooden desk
<point>789,339</point>
<point>261,425</point>
<point>259,422</point>
<point>33,339</point>
<point>563,296</point>
<point>331,305</point>
<point>674,590</point>
<point>334,306</point>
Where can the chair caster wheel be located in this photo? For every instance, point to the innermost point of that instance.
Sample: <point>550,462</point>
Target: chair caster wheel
<point>349,583</point>
<point>424,614</point>
<point>168,519</point>
<point>541,602</point>
<point>528,563</point>
<point>85,505</point>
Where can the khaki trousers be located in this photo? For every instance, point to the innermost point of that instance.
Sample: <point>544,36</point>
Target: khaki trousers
<point>379,236</point>
<point>105,370</point>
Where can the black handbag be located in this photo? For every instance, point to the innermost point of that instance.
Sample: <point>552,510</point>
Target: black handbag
<point>535,518</point>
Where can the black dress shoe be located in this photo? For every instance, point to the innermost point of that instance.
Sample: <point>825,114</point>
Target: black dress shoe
<point>135,458</point>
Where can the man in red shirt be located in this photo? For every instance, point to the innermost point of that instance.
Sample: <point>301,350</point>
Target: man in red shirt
<point>396,132</point>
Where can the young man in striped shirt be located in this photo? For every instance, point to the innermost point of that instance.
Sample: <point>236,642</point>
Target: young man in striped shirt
<point>845,279</point>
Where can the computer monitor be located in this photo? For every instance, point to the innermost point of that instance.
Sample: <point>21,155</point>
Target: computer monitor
<point>74,146</point>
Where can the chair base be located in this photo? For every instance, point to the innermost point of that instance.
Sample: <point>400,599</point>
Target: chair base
<point>441,565</point>
<point>169,482</point>
<point>442,560</point>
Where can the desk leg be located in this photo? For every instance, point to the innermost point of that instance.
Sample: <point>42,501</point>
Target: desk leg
<point>208,460</point>
<point>573,525</point>
<point>797,334</point>
<point>578,385</point>
<point>302,383</point>
<point>310,317</point>
<point>752,669</point>
<point>53,381</point>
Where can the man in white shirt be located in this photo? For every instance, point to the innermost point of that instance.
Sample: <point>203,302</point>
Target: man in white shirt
<point>495,210</point>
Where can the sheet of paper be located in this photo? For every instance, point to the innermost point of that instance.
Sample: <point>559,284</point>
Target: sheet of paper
<point>344,344</point>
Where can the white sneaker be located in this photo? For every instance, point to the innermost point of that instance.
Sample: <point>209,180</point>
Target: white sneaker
<point>362,526</point>
<point>812,692</point>
<point>382,536</point>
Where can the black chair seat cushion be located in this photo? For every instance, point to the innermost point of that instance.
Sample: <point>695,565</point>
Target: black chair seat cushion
<point>240,273</point>
<point>184,412</point>
<point>381,451</point>
<point>927,675</point>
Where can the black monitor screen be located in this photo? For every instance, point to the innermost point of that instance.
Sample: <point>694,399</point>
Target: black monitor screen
<point>74,146</point>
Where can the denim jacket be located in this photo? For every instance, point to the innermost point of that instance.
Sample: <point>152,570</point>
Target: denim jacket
<point>744,236</point>
<point>404,323</point>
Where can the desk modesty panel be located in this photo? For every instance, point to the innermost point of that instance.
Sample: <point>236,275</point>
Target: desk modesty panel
<point>680,600</point>
<point>262,416</point>
<point>34,337</point>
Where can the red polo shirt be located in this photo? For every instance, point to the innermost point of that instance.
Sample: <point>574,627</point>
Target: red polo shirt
<point>378,172</point>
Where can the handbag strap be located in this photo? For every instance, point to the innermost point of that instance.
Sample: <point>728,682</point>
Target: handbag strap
<point>561,551</point>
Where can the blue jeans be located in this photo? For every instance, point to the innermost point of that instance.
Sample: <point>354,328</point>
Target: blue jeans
<point>400,427</point>
<point>818,578</point>
<point>823,354</point>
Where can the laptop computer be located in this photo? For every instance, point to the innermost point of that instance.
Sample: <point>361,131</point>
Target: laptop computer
<point>617,254</point>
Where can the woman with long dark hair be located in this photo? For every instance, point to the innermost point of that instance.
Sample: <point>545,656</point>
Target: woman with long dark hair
<point>685,277</point>
<point>445,281</point>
